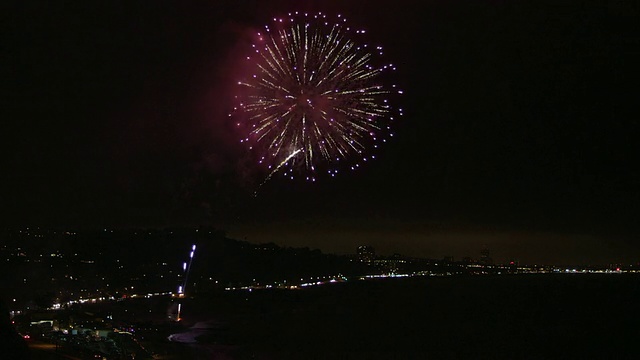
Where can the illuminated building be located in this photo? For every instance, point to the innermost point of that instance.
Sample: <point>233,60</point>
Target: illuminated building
<point>366,253</point>
<point>485,256</point>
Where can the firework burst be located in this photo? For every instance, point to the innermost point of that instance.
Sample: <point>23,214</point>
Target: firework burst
<point>315,101</point>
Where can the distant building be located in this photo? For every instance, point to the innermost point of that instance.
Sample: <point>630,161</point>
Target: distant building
<point>387,265</point>
<point>485,256</point>
<point>448,259</point>
<point>391,264</point>
<point>366,253</point>
<point>467,260</point>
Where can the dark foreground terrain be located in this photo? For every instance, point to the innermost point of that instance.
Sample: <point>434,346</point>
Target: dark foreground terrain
<point>555,316</point>
<point>535,316</point>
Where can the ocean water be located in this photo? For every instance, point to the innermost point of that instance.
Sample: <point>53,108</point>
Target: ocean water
<point>536,316</point>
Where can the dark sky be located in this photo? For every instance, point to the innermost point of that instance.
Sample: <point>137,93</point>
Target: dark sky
<point>519,131</point>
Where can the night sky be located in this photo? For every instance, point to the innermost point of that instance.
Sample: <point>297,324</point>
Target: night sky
<point>519,131</point>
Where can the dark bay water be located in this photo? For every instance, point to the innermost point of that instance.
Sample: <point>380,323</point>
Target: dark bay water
<point>554,316</point>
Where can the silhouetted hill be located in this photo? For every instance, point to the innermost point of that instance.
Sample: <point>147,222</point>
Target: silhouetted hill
<point>116,261</point>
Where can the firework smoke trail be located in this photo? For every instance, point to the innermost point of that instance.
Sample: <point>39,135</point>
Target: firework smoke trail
<point>314,88</point>
<point>275,170</point>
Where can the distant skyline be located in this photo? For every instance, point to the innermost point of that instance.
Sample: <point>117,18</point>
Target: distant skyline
<point>437,244</point>
<point>518,129</point>
<point>420,240</point>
